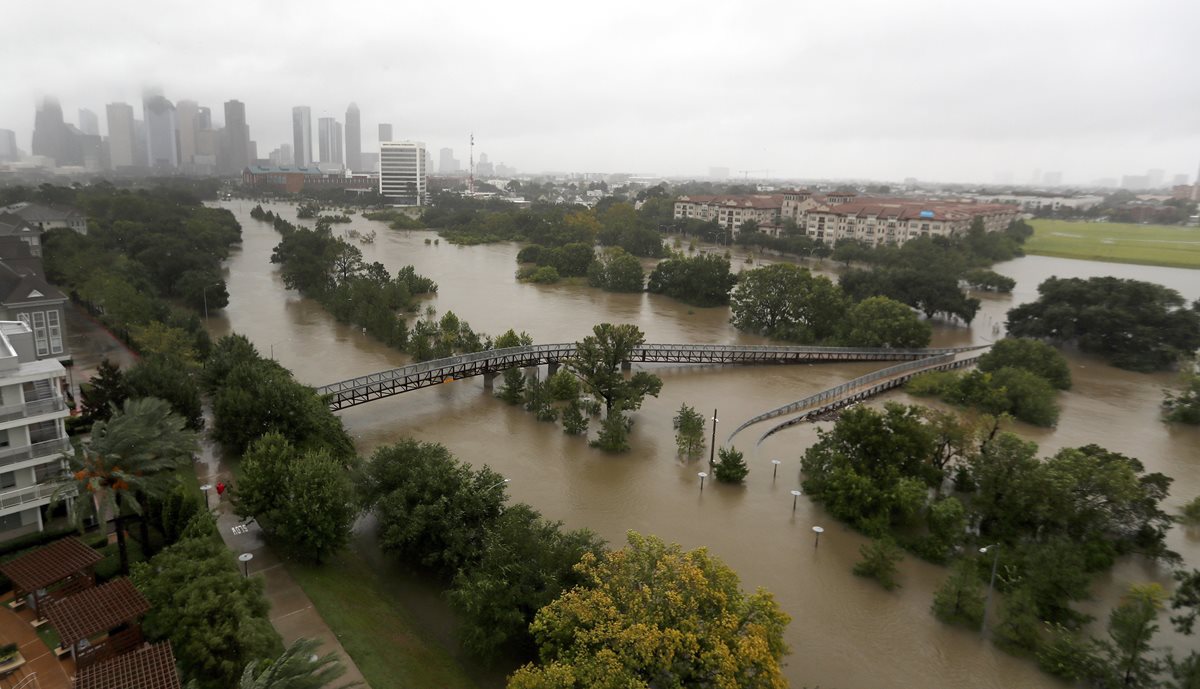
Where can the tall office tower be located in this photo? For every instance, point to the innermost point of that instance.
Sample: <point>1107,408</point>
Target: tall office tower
<point>50,132</point>
<point>302,135</point>
<point>162,148</point>
<point>353,138</point>
<point>328,145</point>
<point>237,134</point>
<point>402,172</point>
<point>120,135</point>
<point>385,132</point>
<point>139,142</point>
<point>187,115</point>
<point>203,118</point>
<point>88,122</point>
<point>8,145</point>
<point>339,148</point>
<point>447,165</point>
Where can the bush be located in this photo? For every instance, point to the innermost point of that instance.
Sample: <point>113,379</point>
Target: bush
<point>563,386</point>
<point>731,466</point>
<point>545,275</point>
<point>879,562</point>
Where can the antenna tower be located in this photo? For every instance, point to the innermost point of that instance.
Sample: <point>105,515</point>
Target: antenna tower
<point>471,174</point>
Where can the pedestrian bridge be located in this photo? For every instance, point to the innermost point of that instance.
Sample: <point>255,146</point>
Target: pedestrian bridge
<point>355,391</point>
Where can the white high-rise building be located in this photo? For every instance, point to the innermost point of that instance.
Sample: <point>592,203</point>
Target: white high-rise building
<point>32,457</point>
<point>329,140</point>
<point>302,136</point>
<point>402,172</point>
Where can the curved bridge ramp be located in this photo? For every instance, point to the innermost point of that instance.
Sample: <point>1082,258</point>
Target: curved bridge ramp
<point>859,389</point>
<point>348,393</point>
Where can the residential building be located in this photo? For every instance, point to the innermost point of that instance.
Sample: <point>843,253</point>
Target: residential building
<point>1032,202</point>
<point>730,211</point>
<point>8,146</point>
<point>45,217</point>
<point>121,136</point>
<point>237,136</point>
<point>895,221</point>
<point>402,172</point>
<point>26,296</point>
<point>385,132</point>
<point>33,440</point>
<point>162,146</point>
<point>302,135</point>
<point>353,138</point>
<point>291,179</point>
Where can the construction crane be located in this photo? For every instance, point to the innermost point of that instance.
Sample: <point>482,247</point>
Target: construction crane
<point>746,173</point>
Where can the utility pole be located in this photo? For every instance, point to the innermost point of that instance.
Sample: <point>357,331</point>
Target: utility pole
<point>471,171</point>
<point>712,449</point>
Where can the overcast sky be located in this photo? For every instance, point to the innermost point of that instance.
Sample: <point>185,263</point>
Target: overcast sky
<point>955,91</point>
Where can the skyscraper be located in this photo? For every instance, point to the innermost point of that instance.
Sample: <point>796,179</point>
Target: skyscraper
<point>186,116</point>
<point>385,132</point>
<point>447,165</point>
<point>353,138</point>
<point>8,145</point>
<point>88,122</point>
<point>237,134</point>
<point>329,140</point>
<point>302,135</point>
<point>120,135</point>
<point>162,146</point>
<point>50,132</point>
<point>402,172</point>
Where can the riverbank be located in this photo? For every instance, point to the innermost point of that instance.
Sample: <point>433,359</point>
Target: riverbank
<point>1152,245</point>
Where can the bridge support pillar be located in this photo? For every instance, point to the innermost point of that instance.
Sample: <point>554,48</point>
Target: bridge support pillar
<point>551,369</point>
<point>626,365</point>
<point>488,380</point>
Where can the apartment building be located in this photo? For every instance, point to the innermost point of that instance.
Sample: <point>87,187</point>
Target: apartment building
<point>895,221</point>
<point>730,211</point>
<point>33,439</point>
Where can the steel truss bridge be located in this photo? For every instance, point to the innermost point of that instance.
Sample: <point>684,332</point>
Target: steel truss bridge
<point>363,389</point>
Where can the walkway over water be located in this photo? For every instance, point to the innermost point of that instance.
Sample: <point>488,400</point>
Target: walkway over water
<point>362,389</point>
<point>861,388</point>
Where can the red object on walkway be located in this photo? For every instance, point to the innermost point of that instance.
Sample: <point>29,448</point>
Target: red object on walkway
<point>220,488</point>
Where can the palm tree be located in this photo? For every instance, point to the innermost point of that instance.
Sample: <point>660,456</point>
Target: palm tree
<point>128,458</point>
<point>298,667</point>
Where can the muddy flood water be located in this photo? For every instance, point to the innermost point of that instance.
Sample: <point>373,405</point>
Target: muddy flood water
<point>846,631</point>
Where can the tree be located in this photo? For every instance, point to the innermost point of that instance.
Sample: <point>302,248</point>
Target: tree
<point>428,506</point>
<point>1189,514</point>
<point>216,619</point>
<point>731,466</point>
<point>127,459</point>
<point>1131,626</point>
<point>526,563</point>
<point>538,400</point>
<point>1019,625</point>
<point>303,499</point>
<point>960,598</point>
<point>597,361</point>
<point>1184,406</point>
<point>298,667</point>
<point>171,379</point>
<point>563,386</point>
<point>614,431</point>
<point>616,270</point>
<point>229,351</point>
<point>689,432</point>
<point>1034,356</point>
<point>789,302</point>
<point>618,629</point>
<point>159,339</point>
<point>879,562</point>
<point>573,419</point>
<point>107,390</point>
<point>703,280</point>
<point>513,389</point>
<point>884,322</point>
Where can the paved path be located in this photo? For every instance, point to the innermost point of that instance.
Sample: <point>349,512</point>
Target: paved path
<point>51,672</point>
<point>292,613</point>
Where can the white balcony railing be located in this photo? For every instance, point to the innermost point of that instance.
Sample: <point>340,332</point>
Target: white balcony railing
<point>26,409</point>
<point>22,496</point>
<point>48,448</point>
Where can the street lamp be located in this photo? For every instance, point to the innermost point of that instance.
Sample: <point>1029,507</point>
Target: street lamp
<point>818,530</point>
<point>988,599</point>
<point>286,339</point>
<point>712,446</point>
<point>245,559</point>
<point>702,475</point>
<point>206,487</point>
<point>498,483</point>
<point>204,294</point>
<point>795,496</point>
<point>775,469</point>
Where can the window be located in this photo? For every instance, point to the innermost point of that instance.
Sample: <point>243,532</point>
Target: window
<point>8,480</point>
<point>42,431</point>
<point>39,333</point>
<point>56,344</point>
<point>10,521</point>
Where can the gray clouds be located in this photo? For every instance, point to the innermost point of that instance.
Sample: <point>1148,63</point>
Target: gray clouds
<point>938,90</point>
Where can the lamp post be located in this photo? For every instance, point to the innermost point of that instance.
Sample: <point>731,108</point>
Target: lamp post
<point>498,483</point>
<point>204,294</point>
<point>795,496</point>
<point>245,559</point>
<point>775,468</point>
<point>988,599</point>
<point>818,530</point>
<point>702,475</point>
<point>206,487</point>
<point>712,446</point>
<point>286,339</point>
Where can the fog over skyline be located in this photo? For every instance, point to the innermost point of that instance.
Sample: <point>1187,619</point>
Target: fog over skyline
<point>947,91</point>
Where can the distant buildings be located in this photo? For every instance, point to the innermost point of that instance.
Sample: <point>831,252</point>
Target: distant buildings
<point>353,138</point>
<point>47,218</point>
<point>385,132</point>
<point>329,140</point>
<point>121,136</point>
<point>237,138</point>
<point>302,135</point>
<point>88,122</point>
<point>162,149</point>
<point>52,137</point>
<point>8,146</point>
<point>447,163</point>
<point>292,180</point>
<point>370,161</point>
<point>402,172</point>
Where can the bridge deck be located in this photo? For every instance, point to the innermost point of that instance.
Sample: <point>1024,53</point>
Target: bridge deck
<point>348,393</point>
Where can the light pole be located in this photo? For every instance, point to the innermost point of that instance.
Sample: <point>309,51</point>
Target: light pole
<point>206,487</point>
<point>245,559</point>
<point>286,339</point>
<point>712,447</point>
<point>988,599</point>
<point>498,483</point>
<point>702,475</point>
<point>775,468</point>
<point>204,294</point>
<point>795,496</point>
<point>818,530</point>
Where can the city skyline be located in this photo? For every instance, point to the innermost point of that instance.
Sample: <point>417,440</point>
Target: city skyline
<point>932,91</point>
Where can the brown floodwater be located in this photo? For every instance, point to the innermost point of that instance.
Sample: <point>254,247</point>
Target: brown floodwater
<point>846,631</point>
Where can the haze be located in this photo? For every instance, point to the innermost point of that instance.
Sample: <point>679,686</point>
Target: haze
<point>947,91</point>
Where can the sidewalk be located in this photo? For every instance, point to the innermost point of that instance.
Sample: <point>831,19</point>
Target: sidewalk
<point>292,613</point>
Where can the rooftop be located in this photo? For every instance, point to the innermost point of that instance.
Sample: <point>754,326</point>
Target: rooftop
<point>96,610</point>
<point>152,667</point>
<point>50,564</point>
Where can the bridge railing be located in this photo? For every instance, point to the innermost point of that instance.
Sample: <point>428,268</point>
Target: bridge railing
<point>835,392</point>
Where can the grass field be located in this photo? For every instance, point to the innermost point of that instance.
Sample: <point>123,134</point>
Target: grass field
<point>1152,245</point>
<point>374,626</point>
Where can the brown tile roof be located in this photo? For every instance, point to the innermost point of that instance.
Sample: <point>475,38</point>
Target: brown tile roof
<point>152,667</point>
<point>50,564</point>
<point>911,209</point>
<point>763,201</point>
<point>96,610</point>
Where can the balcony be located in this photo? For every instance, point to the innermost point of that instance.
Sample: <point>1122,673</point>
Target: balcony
<point>49,448</point>
<point>30,494</point>
<point>26,409</point>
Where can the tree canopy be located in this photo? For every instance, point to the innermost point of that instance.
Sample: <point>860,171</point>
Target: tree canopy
<point>597,363</point>
<point>702,280</point>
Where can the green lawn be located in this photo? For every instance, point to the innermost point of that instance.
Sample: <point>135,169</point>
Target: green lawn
<point>374,626</point>
<point>1154,245</point>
